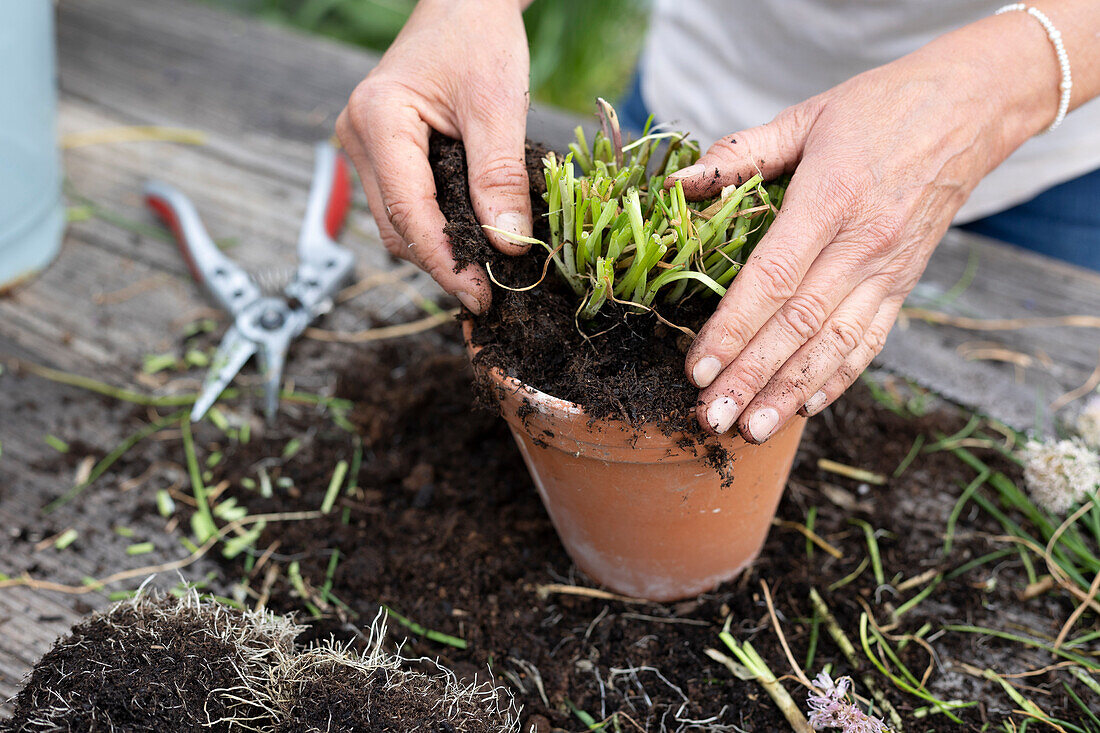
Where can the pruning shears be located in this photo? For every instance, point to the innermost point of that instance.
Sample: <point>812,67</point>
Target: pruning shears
<point>264,325</point>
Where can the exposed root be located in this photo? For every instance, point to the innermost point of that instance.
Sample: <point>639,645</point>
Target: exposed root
<point>160,663</point>
<point>1090,384</point>
<point>683,329</point>
<point>154,663</point>
<point>331,687</point>
<point>549,589</point>
<point>532,286</point>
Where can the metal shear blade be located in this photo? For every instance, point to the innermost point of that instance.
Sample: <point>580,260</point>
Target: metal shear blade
<point>264,325</point>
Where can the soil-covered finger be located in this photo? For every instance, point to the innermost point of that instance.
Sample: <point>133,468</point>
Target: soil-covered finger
<point>499,187</point>
<point>806,369</point>
<point>858,359</point>
<point>771,279</point>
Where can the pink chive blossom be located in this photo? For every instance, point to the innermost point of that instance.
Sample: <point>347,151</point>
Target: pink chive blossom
<point>829,708</point>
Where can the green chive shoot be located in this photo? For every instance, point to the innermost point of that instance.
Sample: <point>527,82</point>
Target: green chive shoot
<point>65,539</point>
<point>56,443</point>
<point>617,234</point>
<point>334,485</point>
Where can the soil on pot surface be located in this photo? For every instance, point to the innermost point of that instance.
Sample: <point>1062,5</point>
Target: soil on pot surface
<point>624,365</point>
<point>445,528</point>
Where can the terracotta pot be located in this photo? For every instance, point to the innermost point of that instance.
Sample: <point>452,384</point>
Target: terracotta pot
<point>636,511</point>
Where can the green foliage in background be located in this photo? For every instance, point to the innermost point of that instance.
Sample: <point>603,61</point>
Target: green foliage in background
<point>580,49</point>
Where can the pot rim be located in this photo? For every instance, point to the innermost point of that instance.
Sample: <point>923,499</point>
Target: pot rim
<point>565,425</point>
<point>546,403</point>
<point>608,434</point>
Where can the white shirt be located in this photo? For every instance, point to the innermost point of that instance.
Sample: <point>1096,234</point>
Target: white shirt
<point>714,67</point>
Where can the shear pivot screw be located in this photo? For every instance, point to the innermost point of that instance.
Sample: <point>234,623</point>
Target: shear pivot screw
<point>271,319</point>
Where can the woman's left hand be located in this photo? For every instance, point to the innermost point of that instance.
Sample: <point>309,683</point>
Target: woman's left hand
<point>884,161</point>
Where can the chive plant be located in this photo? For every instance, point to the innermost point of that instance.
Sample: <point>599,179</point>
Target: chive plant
<point>617,234</point>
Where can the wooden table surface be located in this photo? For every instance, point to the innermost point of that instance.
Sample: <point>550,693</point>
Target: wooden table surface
<point>262,95</point>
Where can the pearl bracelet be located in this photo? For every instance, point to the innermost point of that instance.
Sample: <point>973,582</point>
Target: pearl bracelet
<point>1055,36</point>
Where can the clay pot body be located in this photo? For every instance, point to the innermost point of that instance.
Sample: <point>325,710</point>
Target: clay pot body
<point>644,516</point>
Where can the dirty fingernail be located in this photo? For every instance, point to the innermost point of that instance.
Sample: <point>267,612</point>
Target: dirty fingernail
<point>515,223</point>
<point>472,304</point>
<point>691,170</point>
<point>721,413</point>
<point>815,403</point>
<point>763,423</point>
<point>705,370</point>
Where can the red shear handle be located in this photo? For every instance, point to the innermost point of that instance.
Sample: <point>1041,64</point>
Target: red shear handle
<point>163,209</point>
<point>322,263</point>
<point>339,197</point>
<point>329,196</point>
<point>226,281</point>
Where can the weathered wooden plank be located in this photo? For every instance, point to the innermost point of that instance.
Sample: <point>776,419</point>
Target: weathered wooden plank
<point>29,623</point>
<point>255,211</point>
<point>30,475</point>
<point>243,191</point>
<point>63,316</point>
<point>183,62</point>
<point>264,94</point>
<point>1008,283</point>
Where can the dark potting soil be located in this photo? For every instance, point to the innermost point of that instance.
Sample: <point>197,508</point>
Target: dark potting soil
<point>446,529</point>
<point>625,365</point>
<point>129,671</point>
<point>334,700</point>
<point>157,663</point>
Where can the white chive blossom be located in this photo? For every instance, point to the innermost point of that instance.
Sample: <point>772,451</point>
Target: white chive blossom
<point>1060,473</point>
<point>1088,422</point>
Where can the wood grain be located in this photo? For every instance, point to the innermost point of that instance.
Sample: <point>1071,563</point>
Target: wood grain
<point>264,95</point>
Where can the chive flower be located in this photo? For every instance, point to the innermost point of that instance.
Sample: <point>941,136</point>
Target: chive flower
<point>830,708</point>
<point>1088,422</point>
<point>1060,474</point>
<point>618,235</point>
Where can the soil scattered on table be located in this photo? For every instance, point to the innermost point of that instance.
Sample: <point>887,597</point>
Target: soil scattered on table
<point>445,528</point>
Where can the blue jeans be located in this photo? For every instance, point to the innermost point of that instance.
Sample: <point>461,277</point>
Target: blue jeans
<point>1062,222</point>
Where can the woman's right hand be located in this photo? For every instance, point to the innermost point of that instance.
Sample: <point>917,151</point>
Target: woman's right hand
<point>461,68</point>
